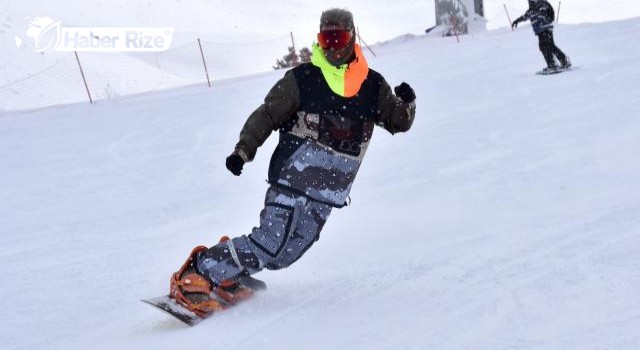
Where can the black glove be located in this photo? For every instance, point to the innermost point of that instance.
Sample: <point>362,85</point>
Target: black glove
<point>405,92</point>
<point>515,23</point>
<point>235,164</point>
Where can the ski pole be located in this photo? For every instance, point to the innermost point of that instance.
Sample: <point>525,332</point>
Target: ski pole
<point>508,17</point>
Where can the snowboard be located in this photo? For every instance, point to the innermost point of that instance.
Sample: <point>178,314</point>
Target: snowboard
<point>188,317</point>
<point>557,71</point>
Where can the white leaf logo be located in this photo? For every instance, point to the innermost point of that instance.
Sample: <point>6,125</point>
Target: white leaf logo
<point>18,41</point>
<point>49,38</point>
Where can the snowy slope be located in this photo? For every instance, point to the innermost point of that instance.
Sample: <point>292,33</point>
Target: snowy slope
<point>239,39</point>
<point>506,219</point>
<point>249,35</point>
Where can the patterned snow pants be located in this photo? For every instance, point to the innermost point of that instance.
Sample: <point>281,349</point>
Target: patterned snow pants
<point>289,225</point>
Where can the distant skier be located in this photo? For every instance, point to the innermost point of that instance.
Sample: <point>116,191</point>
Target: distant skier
<point>325,112</point>
<point>542,16</point>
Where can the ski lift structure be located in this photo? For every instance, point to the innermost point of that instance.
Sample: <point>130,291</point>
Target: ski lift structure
<point>459,17</point>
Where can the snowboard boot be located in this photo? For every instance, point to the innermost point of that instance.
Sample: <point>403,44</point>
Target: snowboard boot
<point>191,289</point>
<point>232,291</point>
<point>552,66</point>
<point>566,64</point>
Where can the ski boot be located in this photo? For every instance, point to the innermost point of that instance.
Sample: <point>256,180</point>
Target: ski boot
<point>566,64</point>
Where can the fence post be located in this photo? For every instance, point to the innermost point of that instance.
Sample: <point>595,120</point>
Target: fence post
<point>558,16</point>
<point>295,54</point>
<point>508,17</point>
<point>454,23</point>
<point>365,44</point>
<point>86,86</point>
<point>206,71</point>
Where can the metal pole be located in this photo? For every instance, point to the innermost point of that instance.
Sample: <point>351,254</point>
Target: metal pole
<point>295,54</point>
<point>83,78</point>
<point>479,7</point>
<point>508,17</point>
<point>558,16</point>
<point>365,44</point>
<point>206,71</point>
<point>454,23</point>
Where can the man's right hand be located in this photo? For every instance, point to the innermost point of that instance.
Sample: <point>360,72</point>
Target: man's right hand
<point>235,164</point>
<point>515,23</point>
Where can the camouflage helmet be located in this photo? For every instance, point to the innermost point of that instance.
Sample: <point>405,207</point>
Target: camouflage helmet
<point>337,16</point>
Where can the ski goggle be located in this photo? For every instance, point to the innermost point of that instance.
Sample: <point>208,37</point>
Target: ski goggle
<point>334,39</point>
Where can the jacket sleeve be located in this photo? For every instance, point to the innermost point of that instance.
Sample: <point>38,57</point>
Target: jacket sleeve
<point>394,114</point>
<point>279,105</point>
<point>527,15</point>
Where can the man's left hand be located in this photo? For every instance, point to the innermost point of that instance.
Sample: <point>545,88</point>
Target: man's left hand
<point>405,92</point>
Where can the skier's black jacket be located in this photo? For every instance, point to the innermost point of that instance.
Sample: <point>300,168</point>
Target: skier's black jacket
<point>541,15</point>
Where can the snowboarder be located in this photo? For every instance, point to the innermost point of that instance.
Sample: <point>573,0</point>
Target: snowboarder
<point>325,112</point>
<point>542,16</point>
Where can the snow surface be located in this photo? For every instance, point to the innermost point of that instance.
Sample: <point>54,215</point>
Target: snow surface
<point>507,218</point>
<point>252,23</point>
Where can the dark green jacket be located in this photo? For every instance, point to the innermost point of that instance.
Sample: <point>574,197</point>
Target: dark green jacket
<point>310,112</point>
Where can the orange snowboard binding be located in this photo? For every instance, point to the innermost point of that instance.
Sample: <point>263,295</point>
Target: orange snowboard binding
<point>191,290</point>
